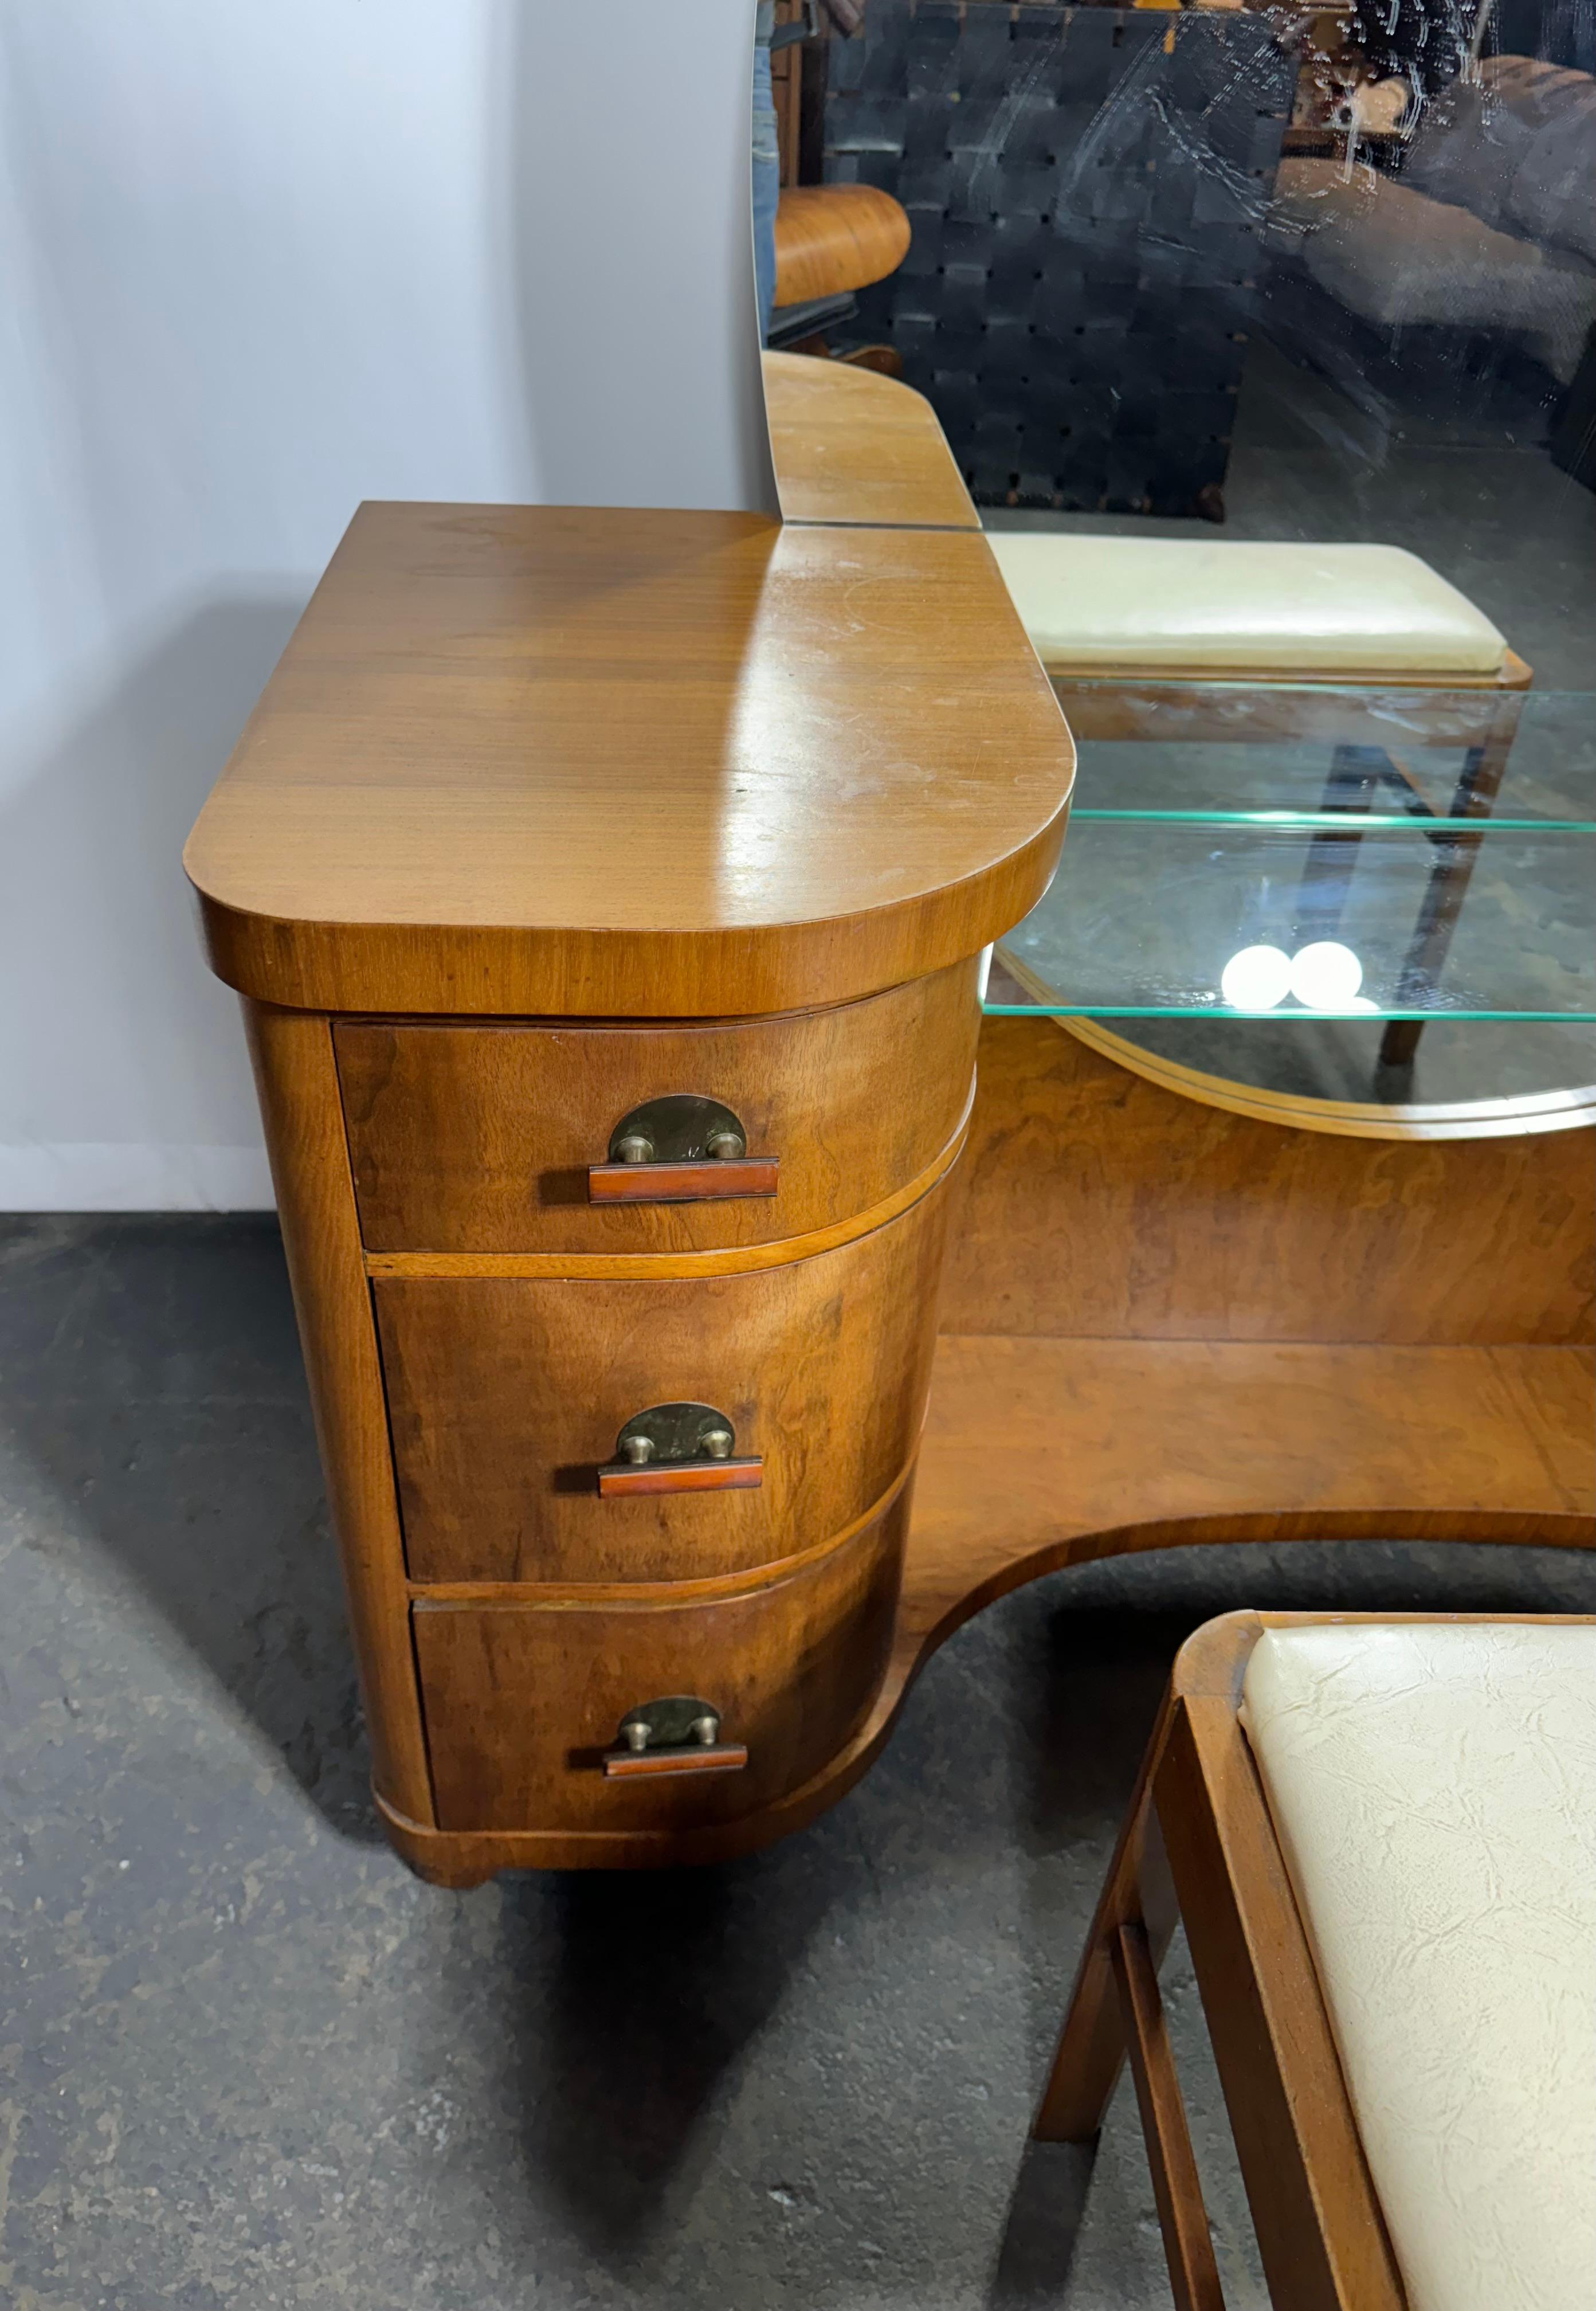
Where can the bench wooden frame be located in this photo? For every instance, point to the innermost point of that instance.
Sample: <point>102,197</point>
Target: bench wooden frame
<point>1199,1846</point>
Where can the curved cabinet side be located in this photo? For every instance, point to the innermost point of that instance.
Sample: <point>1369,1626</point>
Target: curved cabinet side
<point>298,1085</point>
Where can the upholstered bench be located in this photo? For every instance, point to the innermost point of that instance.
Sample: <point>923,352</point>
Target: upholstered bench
<point>1219,610</point>
<point>1142,638</point>
<point>1380,1837</point>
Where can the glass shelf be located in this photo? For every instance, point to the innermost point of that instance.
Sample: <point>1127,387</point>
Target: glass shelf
<point>1258,881</point>
<point>1227,868</point>
<point>1202,917</point>
<point>1274,747</point>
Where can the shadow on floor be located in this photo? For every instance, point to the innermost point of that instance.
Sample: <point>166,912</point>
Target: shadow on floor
<point>153,1386</point>
<point>644,1991</point>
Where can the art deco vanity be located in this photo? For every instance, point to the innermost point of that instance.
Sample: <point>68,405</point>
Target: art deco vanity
<point>607,892</point>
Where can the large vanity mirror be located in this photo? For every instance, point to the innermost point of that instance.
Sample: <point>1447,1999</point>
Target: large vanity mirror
<point>1305,296</point>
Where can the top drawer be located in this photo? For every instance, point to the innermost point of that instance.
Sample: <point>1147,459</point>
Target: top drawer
<point>479,1138</point>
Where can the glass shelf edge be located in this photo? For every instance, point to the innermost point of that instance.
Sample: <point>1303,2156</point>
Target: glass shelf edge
<point>1220,1011</point>
<point>1343,821</point>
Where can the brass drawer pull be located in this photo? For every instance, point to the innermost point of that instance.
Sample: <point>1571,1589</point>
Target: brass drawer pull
<point>681,1149</point>
<point>678,1448</point>
<point>678,1734</point>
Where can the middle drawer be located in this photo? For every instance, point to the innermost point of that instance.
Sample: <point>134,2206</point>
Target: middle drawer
<point>507,1395</point>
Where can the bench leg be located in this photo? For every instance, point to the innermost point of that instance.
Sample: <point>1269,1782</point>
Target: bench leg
<point>1472,798</point>
<point>1115,2010</point>
<point>1092,2045</point>
<point>1177,2191</point>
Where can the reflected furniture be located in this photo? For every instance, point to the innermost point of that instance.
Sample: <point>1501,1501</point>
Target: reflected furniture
<point>851,446</point>
<point>1409,2069</point>
<point>1140,635</point>
<point>1475,265</point>
<point>1088,186</point>
<point>832,240</point>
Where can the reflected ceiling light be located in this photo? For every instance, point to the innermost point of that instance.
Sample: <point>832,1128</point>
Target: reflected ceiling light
<point>1256,979</point>
<point>1326,976</point>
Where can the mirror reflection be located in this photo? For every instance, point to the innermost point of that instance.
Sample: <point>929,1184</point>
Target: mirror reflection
<point>1264,343</point>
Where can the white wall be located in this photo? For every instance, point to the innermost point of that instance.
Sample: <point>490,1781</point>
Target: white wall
<point>257,263</point>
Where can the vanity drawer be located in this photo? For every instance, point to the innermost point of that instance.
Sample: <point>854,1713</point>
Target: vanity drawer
<point>522,1700</point>
<point>506,1396</point>
<point>480,1138</point>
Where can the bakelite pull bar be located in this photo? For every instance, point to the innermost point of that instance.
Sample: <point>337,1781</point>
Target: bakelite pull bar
<point>677,1734</point>
<point>683,1148</point>
<point>685,1758</point>
<point>679,1448</point>
<point>705,1182</point>
<point>620,1480</point>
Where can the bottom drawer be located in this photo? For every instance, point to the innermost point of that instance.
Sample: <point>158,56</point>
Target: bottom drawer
<point>521,1701</point>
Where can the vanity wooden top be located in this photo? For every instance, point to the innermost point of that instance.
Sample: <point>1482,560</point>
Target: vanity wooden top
<point>851,446</point>
<point>579,762</point>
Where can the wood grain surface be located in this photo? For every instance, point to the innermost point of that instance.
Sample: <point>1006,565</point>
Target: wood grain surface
<point>1097,1202</point>
<point>747,1259</point>
<point>831,238</point>
<point>521,1702</point>
<point>639,764</point>
<point>851,446</point>
<point>477,1139</point>
<point>298,1086</point>
<point>1110,1445</point>
<point>505,1397</point>
<point>1183,1454</point>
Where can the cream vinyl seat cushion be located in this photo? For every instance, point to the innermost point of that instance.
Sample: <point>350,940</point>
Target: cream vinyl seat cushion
<point>1189,606</point>
<point>1434,1789</point>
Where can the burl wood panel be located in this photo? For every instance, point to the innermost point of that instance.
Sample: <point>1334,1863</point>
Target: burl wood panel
<point>505,1397</point>
<point>477,1139</point>
<point>534,760</point>
<point>521,1700</point>
<point>1097,1203</point>
<point>851,446</point>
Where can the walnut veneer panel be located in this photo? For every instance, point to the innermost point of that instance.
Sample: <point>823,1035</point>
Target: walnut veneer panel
<point>520,1699</point>
<point>504,1397</point>
<point>478,1139</point>
<point>649,765</point>
<point>1098,1202</point>
<point>1101,1441</point>
<point>851,446</point>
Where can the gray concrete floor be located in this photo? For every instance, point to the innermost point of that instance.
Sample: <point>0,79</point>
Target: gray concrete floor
<point>246,2060</point>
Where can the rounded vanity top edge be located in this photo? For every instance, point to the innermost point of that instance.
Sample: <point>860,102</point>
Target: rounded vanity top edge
<point>620,1022</point>
<point>476,971</point>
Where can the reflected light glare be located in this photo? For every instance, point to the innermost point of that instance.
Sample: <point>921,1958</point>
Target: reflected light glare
<point>1256,979</point>
<point>1326,976</point>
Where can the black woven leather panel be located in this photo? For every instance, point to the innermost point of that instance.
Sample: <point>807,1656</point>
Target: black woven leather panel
<point>1087,187</point>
